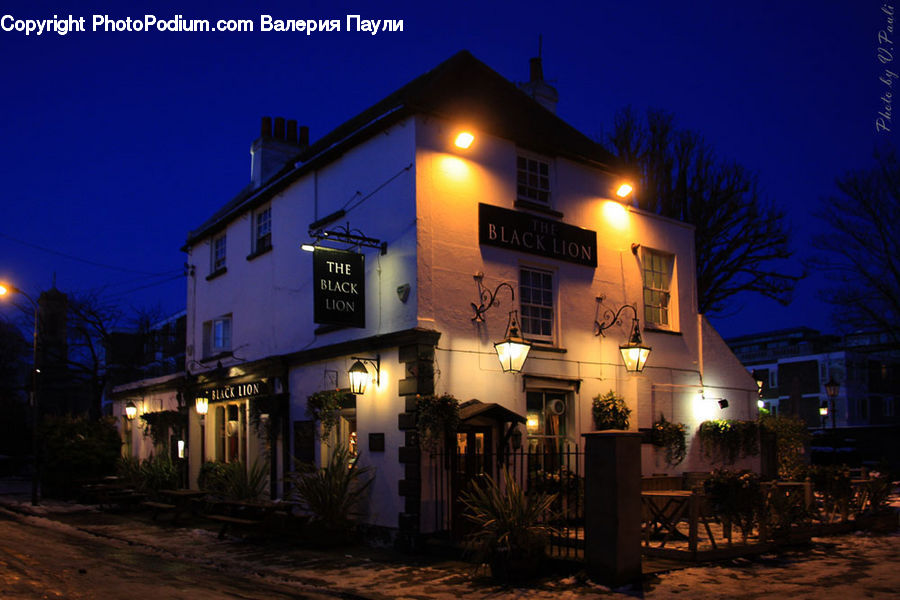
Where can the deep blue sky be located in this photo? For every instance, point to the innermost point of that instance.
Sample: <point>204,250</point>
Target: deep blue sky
<point>114,145</point>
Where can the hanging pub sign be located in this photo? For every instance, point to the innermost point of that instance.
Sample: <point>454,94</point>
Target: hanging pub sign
<point>339,296</point>
<point>520,231</point>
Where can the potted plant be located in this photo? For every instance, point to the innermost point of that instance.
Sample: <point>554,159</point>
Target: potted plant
<point>610,412</point>
<point>511,531</point>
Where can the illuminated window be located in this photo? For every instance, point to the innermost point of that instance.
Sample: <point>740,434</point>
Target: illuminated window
<point>262,230</point>
<point>218,253</point>
<point>657,287</point>
<point>532,180</point>
<point>551,411</point>
<point>536,294</point>
<point>217,336</point>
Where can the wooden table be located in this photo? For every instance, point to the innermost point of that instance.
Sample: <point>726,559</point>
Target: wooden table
<point>180,501</point>
<point>664,509</point>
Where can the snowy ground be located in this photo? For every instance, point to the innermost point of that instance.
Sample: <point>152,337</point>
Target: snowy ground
<point>844,567</point>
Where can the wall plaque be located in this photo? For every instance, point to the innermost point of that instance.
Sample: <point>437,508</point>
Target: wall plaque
<point>520,231</point>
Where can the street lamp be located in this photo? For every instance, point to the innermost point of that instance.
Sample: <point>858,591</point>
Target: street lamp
<point>5,290</point>
<point>832,388</point>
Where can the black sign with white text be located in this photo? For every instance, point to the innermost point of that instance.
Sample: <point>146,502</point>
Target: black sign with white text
<point>520,231</point>
<point>339,278</point>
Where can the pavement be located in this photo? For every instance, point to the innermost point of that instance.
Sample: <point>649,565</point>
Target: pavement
<point>840,567</point>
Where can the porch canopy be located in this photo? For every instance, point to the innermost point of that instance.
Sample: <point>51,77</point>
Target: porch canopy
<point>478,413</point>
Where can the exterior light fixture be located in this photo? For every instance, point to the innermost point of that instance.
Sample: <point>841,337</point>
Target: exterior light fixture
<point>464,140</point>
<point>201,405</point>
<point>823,409</point>
<point>723,403</point>
<point>513,350</point>
<point>488,298</point>
<point>308,247</point>
<point>359,374</point>
<point>634,353</point>
<point>624,190</point>
<point>130,411</point>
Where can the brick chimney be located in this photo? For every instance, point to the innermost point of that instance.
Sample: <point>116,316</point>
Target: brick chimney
<point>537,88</point>
<point>278,143</point>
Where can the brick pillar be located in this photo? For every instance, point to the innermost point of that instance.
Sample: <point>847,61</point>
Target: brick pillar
<point>419,361</point>
<point>612,505</point>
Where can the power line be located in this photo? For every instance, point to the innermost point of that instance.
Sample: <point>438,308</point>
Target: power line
<point>76,258</point>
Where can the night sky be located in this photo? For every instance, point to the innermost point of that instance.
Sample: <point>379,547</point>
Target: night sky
<point>114,145</point>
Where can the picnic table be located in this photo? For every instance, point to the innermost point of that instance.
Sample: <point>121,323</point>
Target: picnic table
<point>179,502</point>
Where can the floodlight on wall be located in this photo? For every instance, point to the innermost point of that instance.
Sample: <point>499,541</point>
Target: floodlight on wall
<point>463,140</point>
<point>723,403</point>
<point>634,353</point>
<point>130,411</point>
<point>513,350</point>
<point>624,190</point>
<point>201,405</point>
<point>489,298</point>
<point>359,374</point>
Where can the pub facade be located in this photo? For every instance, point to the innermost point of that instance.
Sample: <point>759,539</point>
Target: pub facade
<point>393,251</point>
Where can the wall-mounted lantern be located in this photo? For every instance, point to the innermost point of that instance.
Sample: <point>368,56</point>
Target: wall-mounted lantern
<point>130,410</point>
<point>201,405</point>
<point>359,374</point>
<point>634,352</point>
<point>513,350</point>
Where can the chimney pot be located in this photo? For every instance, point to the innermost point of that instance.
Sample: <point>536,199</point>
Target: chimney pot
<point>265,129</point>
<point>292,131</point>
<point>278,131</point>
<point>537,70</point>
<point>304,136</point>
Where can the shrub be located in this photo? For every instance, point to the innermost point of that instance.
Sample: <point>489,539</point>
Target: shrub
<point>150,475</point>
<point>75,449</point>
<point>333,494</point>
<point>610,412</point>
<point>791,436</point>
<point>736,496</point>
<point>234,481</point>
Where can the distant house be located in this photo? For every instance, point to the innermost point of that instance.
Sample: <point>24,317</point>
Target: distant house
<point>424,248</point>
<point>794,366</point>
<point>145,369</point>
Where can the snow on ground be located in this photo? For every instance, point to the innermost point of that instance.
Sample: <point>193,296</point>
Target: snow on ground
<point>840,567</point>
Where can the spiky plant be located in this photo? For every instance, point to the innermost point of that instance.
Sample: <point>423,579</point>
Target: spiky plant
<point>509,523</point>
<point>332,494</point>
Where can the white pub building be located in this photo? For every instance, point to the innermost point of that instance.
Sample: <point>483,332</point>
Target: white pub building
<point>458,212</point>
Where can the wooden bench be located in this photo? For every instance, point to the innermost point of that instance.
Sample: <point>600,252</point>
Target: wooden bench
<point>227,522</point>
<point>158,507</point>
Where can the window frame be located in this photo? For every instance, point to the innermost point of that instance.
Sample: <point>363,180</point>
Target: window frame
<point>534,198</point>
<point>526,319</point>
<point>262,243</point>
<point>668,307</point>
<point>215,265</point>
<point>211,344</point>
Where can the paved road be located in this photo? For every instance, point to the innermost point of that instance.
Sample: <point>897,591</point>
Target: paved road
<point>41,562</point>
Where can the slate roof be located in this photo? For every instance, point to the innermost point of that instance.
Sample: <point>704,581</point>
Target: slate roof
<point>461,89</point>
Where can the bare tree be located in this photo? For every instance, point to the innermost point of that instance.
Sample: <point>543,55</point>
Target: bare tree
<point>861,247</point>
<point>741,240</point>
